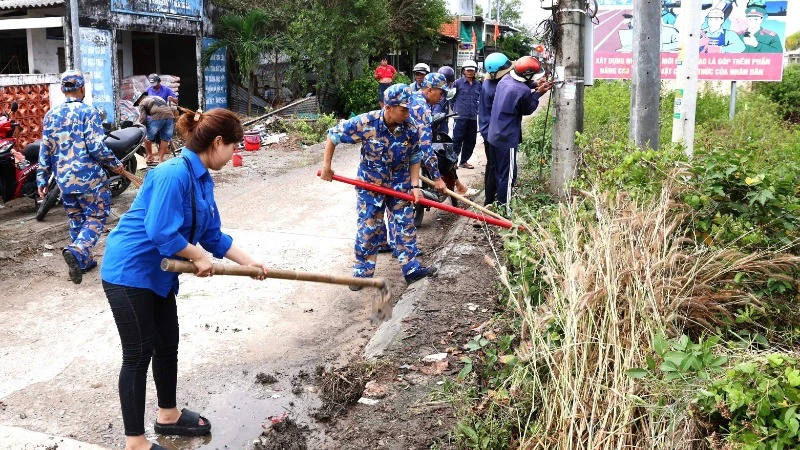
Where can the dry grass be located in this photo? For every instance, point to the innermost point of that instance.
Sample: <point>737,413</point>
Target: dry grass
<point>611,284</point>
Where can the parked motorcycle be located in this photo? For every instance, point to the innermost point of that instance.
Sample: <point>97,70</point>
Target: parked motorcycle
<point>125,142</point>
<point>17,170</point>
<point>442,147</point>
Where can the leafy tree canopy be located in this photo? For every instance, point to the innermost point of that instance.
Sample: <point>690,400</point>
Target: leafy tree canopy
<point>793,41</point>
<point>515,46</point>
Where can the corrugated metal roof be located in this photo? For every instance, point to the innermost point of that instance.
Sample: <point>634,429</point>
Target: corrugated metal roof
<point>16,4</point>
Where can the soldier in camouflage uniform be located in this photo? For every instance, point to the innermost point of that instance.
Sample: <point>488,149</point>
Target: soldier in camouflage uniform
<point>390,157</point>
<point>432,89</point>
<point>73,149</point>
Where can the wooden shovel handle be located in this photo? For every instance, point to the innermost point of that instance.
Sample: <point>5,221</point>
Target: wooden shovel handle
<point>461,198</point>
<point>174,265</point>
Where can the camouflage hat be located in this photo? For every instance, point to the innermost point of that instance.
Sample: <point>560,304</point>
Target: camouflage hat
<point>756,11</point>
<point>72,80</point>
<point>435,80</point>
<point>716,13</point>
<point>397,95</point>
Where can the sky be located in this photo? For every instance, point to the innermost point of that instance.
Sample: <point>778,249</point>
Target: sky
<point>532,13</point>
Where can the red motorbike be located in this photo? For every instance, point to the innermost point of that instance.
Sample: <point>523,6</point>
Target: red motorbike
<point>17,170</point>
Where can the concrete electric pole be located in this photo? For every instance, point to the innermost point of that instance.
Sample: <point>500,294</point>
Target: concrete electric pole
<point>686,76</point>
<point>646,74</point>
<point>568,92</point>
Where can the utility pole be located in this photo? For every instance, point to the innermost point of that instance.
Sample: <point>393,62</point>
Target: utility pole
<point>646,74</point>
<point>686,76</point>
<point>567,92</point>
<point>73,38</point>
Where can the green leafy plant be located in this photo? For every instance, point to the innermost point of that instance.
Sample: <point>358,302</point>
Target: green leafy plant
<point>361,95</point>
<point>680,359</point>
<point>755,405</point>
<point>312,131</point>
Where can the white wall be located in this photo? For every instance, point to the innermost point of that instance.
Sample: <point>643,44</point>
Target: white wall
<point>43,52</point>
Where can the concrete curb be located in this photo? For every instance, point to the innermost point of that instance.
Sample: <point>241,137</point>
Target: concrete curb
<point>391,331</point>
<point>16,438</point>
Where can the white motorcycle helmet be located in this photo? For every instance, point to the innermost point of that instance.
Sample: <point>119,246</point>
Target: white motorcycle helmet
<point>422,68</point>
<point>469,64</point>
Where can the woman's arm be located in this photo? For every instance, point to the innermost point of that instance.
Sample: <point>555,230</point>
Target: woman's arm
<point>241,257</point>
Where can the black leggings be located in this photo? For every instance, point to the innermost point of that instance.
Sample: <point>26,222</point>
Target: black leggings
<point>148,329</point>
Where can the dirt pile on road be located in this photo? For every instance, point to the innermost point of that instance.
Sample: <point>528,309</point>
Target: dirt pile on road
<point>340,388</point>
<point>283,435</point>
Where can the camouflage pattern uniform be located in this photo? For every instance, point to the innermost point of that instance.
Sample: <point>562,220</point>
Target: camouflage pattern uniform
<point>420,112</point>
<point>73,148</point>
<point>385,160</point>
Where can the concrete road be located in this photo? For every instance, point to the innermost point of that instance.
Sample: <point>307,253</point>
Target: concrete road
<point>60,352</point>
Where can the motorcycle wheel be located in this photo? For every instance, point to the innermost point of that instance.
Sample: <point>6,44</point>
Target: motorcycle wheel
<point>419,213</point>
<point>119,185</point>
<point>50,199</point>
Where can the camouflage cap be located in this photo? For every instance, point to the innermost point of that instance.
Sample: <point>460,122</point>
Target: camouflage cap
<point>716,13</point>
<point>72,80</point>
<point>756,11</point>
<point>397,95</point>
<point>435,80</point>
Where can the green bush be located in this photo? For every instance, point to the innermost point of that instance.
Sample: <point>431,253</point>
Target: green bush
<point>786,93</point>
<point>361,95</point>
<point>755,405</point>
<point>312,131</point>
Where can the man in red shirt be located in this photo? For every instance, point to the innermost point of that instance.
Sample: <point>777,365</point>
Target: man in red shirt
<point>384,74</point>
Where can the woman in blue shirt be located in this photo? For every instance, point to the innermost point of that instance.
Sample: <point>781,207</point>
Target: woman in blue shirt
<point>173,212</point>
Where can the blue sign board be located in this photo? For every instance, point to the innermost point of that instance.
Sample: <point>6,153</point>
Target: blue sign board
<point>192,9</point>
<point>215,78</point>
<point>96,60</point>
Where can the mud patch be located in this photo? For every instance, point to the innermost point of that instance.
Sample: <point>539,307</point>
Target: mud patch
<point>265,378</point>
<point>284,435</point>
<point>340,389</point>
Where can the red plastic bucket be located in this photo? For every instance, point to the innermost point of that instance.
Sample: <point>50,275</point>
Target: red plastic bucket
<point>237,159</point>
<point>252,142</point>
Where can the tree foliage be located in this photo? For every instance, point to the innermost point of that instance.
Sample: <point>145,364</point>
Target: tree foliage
<point>414,22</point>
<point>786,93</point>
<point>793,41</point>
<point>515,46</point>
<point>510,11</point>
<point>247,37</point>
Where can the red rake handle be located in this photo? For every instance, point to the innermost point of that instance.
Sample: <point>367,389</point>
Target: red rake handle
<point>423,201</point>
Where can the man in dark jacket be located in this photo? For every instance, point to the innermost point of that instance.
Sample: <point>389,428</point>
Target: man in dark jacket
<point>517,95</point>
<point>496,66</point>
<point>465,104</point>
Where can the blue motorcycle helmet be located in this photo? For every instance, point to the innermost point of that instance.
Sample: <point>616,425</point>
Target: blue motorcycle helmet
<point>448,73</point>
<point>496,65</point>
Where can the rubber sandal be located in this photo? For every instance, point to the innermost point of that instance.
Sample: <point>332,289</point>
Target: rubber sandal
<point>467,166</point>
<point>185,426</point>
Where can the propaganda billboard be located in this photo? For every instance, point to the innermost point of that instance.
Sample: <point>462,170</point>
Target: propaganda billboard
<point>740,40</point>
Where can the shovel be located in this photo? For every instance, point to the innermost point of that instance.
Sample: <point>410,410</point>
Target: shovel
<point>381,304</point>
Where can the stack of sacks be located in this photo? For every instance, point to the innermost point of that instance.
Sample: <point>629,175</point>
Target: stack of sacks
<point>139,83</point>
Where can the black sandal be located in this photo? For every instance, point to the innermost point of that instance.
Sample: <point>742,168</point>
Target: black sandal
<point>187,425</point>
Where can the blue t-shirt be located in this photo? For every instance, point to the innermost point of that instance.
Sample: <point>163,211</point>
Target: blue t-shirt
<point>164,92</point>
<point>158,225</point>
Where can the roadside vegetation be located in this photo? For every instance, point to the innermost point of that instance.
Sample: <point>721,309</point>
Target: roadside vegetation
<point>657,306</point>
